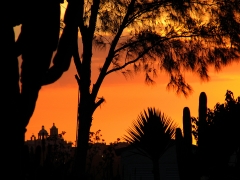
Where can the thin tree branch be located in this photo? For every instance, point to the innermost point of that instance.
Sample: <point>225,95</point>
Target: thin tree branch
<point>99,102</point>
<point>143,53</point>
<point>163,39</point>
<point>111,51</point>
<point>108,42</point>
<point>123,66</point>
<point>144,10</point>
<point>127,45</point>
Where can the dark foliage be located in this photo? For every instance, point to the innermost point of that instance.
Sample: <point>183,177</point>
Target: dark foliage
<point>223,137</point>
<point>170,36</point>
<point>152,132</point>
<point>101,158</point>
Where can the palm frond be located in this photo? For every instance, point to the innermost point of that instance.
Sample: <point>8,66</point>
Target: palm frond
<point>152,132</point>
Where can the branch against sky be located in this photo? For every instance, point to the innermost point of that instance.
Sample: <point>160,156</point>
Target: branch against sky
<point>164,35</point>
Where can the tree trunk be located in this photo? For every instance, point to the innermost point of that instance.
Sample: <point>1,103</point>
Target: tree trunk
<point>85,119</point>
<point>156,173</point>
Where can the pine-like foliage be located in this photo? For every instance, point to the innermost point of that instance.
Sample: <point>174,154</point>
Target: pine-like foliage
<point>172,36</point>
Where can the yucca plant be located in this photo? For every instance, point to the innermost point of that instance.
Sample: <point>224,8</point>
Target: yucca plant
<point>151,134</point>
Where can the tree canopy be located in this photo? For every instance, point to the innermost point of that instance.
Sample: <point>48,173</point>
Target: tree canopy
<point>162,35</point>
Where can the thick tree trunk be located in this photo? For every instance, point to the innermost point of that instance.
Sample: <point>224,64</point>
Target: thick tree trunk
<point>156,173</point>
<point>85,119</point>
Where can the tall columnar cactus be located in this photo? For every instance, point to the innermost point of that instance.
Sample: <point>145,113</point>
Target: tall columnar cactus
<point>184,146</point>
<point>179,151</point>
<point>185,157</point>
<point>187,142</point>
<point>202,115</point>
<point>202,134</point>
<point>187,129</point>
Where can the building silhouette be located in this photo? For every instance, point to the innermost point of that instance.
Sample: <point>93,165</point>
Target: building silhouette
<point>49,145</point>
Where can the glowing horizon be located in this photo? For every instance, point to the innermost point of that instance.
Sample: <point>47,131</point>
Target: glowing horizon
<point>125,99</point>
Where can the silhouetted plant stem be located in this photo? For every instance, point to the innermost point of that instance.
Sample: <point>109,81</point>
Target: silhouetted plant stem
<point>187,130</point>
<point>184,146</point>
<point>202,132</point>
<point>179,151</point>
<point>187,143</point>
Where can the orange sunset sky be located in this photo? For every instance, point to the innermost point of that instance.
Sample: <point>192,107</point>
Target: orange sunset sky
<point>125,99</point>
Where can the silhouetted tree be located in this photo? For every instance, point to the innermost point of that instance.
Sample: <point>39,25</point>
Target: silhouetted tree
<point>223,136</point>
<point>100,157</point>
<point>152,36</point>
<point>152,134</point>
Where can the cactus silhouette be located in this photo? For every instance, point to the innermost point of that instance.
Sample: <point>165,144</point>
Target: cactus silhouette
<point>202,134</point>
<point>179,151</point>
<point>217,138</point>
<point>187,129</point>
<point>36,55</point>
<point>202,114</point>
<point>184,146</point>
<point>185,157</point>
